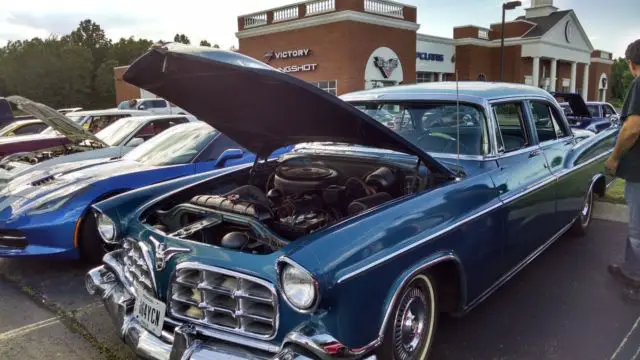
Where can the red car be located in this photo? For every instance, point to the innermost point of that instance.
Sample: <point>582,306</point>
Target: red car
<point>64,132</point>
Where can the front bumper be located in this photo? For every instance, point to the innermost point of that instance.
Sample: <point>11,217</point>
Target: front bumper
<point>187,341</point>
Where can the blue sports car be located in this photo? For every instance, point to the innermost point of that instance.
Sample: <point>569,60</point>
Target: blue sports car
<point>46,212</point>
<point>592,116</point>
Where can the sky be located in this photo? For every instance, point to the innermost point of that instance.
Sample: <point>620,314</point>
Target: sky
<point>610,24</point>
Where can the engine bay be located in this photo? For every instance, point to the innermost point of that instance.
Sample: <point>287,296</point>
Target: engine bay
<point>19,160</point>
<point>294,199</point>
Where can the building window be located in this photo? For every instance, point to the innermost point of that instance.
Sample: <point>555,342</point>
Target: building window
<point>330,86</point>
<point>483,34</point>
<point>422,76</point>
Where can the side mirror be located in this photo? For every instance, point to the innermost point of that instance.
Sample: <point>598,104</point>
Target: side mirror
<point>227,155</point>
<point>141,107</point>
<point>615,120</point>
<point>135,142</point>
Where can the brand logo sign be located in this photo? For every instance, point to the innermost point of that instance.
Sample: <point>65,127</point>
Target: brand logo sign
<point>386,66</point>
<point>298,68</point>
<point>287,54</point>
<point>430,56</point>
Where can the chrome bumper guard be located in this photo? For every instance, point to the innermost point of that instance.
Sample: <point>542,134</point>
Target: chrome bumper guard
<point>184,343</point>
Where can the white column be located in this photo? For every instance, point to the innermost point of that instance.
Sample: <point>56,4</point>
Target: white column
<point>431,77</point>
<point>536,71</point>
<point>585,82</point>
<point>553,76</point>
<point>440,76</point>
<point>572,84</point>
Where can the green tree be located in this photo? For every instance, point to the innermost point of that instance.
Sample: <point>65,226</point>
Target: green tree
<point>205,43</point>
<point>216,46</point>
<point>620,78</point>
<point>182,38</point>
<point>125,51</point>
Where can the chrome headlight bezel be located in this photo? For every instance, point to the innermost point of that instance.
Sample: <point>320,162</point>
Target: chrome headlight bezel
<point>286,268</point>
<point>107,225</point>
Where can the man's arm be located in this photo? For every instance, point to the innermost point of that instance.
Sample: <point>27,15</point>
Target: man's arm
<point>627,138</point>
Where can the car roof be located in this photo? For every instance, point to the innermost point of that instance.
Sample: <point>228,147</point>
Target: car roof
<point>474,91</point>
<point>145,118</point>
<point>107,112</point>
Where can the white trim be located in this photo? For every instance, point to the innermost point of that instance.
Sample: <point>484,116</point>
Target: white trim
<point>514,41</point>
<point>347,15</point>
<point>562,23</point>
<point>514,21</point>
<point>601,61</point>
<point>473,26</point>
<point>436,39</point>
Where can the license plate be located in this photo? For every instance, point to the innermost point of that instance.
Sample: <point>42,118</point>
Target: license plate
<point>150,312</point>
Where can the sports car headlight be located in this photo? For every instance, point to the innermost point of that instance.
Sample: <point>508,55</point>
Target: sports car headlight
<point>48,206</point>
<point>106,227</point>
<point>299,287</point>
<point>54,200</point>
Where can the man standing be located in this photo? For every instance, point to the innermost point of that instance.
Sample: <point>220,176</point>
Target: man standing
<point>624,162</point>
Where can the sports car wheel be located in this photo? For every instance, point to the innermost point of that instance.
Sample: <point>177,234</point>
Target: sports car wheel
<point>583,220</point>
<point>410,329</point>
<point>90,243</point>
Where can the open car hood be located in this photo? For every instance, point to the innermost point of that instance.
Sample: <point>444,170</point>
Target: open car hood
<point>575,101</point>
<point>60,123</point>
<point>256,105</point>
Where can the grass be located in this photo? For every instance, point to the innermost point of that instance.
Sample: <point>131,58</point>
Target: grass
<point>615,192</point>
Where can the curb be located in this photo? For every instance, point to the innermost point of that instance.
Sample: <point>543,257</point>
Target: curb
<point>611,212</point>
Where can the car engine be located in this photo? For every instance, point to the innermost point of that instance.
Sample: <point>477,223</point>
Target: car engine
<point>297,200</point>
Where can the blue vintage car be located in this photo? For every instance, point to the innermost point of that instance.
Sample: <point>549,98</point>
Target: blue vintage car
<point>396,205</point>
<point>593,116</point>
<point>45,211</point>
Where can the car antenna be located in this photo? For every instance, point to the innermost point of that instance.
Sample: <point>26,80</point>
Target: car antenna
<point>457,123</point>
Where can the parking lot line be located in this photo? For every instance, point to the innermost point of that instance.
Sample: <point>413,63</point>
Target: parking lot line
<point>28,328</point>
<point>624,341</point>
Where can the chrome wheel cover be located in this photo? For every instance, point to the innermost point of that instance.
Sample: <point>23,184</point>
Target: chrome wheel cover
<point>412,324</point>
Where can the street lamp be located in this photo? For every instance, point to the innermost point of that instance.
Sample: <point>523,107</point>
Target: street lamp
<point>506,6</point>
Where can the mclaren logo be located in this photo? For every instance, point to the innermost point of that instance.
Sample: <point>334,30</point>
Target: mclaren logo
<point>386,66</point>
<point>164,254</point>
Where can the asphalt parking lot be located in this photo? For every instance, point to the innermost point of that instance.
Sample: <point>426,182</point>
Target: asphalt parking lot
<point>562,306</point>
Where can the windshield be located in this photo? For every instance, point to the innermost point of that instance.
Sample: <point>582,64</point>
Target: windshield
<point>593,110</point>
<point>432,127</point>
<point>117,132</point>
<point>78,119</point>
<point>566,109</point>
<point>177,145</point>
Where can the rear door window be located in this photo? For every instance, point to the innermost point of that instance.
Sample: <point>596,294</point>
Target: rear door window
<point>512,134</point>
<point>546,122</point>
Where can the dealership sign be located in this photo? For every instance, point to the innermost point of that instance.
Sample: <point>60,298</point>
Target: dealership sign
<point>298,68</point>
<point>287,54</point>
<point>386,66</point>
<point>383,65</point>
<point>429,56</point>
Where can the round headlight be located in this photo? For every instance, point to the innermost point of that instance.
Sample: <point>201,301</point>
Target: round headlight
<point>299,287</point>
<point>106,227</point>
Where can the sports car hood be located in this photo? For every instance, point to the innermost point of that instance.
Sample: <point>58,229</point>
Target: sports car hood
<point>256,105</point>
<point>575,101</point>
<point>35,184</point>
<point>60,123</point>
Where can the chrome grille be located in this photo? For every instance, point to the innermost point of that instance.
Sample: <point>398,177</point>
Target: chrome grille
<point>136,268</point>
<point>224,300</point>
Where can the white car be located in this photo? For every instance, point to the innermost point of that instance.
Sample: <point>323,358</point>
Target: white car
<point>153,105</point>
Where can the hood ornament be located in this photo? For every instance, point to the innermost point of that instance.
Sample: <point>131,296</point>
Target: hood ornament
<point>163,253</point>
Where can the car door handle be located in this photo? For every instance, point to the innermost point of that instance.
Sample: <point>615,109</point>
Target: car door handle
<point>535,152</point>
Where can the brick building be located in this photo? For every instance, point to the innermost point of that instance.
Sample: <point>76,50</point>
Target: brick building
<point>348,45</point>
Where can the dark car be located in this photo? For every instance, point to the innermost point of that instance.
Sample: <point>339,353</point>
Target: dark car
<point>592,116</point>
<point>350,246</point>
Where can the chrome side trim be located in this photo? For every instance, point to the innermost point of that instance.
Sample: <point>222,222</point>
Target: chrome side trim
<point>516,269</point>
<point>419,242</point>
<point>448,257</point>
<point>9,237</point>
<point>529,189</point>
<point>245,335</point>
<point>316,302</point>
<point>565,172</point>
